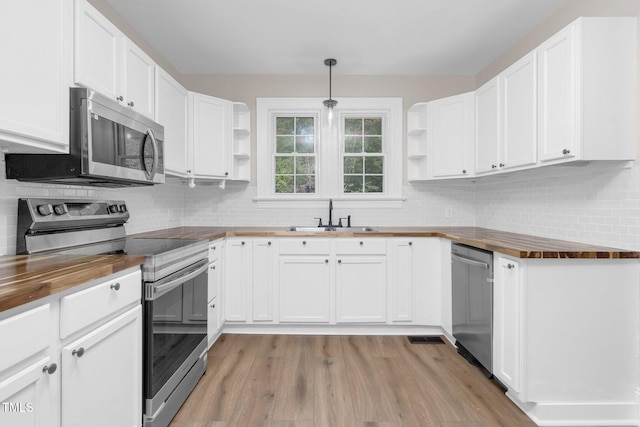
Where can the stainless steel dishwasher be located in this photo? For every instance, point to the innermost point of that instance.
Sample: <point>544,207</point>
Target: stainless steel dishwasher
<point>472,300</point>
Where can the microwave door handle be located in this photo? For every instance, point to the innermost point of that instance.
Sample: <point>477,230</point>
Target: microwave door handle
<point>154,167</point>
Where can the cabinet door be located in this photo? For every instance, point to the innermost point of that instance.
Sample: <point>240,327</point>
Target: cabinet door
<point>139,80</point>
<point>361,289</point>
<point>237,280</point>
<point>507,323</point>
<point>171,112</point>
<point>213,322</point>
<point>518,86</point>
<point>263,294</point>
<point>98,44</point>
<point>36,74</point>
<point>102,375</point>
<point>210,134</point>
<point>487,127</point>
<point>29,396</point>
<point>305,289</point>
<point>450,135</point>
<point>557,105</point>
<point>401,260</point>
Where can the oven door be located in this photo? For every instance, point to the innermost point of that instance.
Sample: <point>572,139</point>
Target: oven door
<point>175,330</point>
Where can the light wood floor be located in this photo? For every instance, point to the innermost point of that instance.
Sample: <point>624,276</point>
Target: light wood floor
<point>361,381</point>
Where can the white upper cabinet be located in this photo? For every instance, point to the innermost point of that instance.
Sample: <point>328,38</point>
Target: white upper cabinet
<point>518,113</point>
<point>36,53</point>
<point>587,91</point>
<point>488,156</point>
<point>109,63</point>
<point>139,79</point>
<point>210,135</point>
<point>450,136</point>
<point>172,103</point>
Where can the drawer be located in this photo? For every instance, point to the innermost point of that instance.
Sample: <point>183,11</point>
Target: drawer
<point>305,246</point>
<point>86,307</point>
<point>366,246</point>
<point>214,250</point>
<point>24,335</point>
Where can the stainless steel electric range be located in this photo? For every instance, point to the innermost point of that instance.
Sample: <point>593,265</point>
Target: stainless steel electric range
<point>174,276</point>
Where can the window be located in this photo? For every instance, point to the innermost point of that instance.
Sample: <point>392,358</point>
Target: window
<point>295,162</point>
<point>363,157</point>
<point>300,159</point>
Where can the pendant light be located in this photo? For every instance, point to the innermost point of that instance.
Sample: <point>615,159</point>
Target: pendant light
<point>330,103</point>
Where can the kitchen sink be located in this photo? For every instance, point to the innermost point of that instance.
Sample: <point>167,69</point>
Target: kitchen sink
<point>334,229</point>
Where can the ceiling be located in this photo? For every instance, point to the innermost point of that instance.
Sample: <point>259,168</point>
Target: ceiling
<point>383,37</point>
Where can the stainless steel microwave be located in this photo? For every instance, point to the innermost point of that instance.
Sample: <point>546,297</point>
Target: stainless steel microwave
<point>110,145</point>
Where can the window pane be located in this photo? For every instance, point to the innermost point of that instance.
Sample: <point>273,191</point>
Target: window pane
<point>373,144</point>
<point>353,126</point>
<point>373,126</point>
<point>284,184</point>
<point>353,184</point>
<point>353,144</point>
<point>305,165</point>
<point>284,125</point>
<point>305,184</point>
<point>304,126</point>
<point>373,184</point>
<point>373,165</point>
<point>304,144</point>
<point>352,165</point>
<point>284,144</point>
<point>284,165</point>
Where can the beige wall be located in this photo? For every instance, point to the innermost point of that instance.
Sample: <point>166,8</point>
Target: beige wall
<point>561,18</point>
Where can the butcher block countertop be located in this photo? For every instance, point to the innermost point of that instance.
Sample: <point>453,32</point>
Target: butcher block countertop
<point>514,244</point>
<point>26,278</point>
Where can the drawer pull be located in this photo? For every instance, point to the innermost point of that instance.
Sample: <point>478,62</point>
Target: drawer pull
<point>510,266</point>
<point>326,261</point>
<point>361,243</point>
<point>78,353</point>
<point>50,369</point>
<point>339,261</point>
<point>269,243</point>
<point>410,243</point>
<point>213,306</point>
<point>213,267</point>
<point>304,242</point>
<point>115,286</point>
<point>243,243</point>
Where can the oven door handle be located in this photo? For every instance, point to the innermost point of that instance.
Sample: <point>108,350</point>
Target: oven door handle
<point>158,289</point>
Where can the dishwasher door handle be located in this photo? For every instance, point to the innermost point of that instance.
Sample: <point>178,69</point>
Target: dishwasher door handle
<point>470,261</point>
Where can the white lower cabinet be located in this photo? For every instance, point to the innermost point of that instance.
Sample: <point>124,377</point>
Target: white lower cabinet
<point>305,289</point>
<point>102,374</point>
<point>264,264</point>
<point>401,259</point>
<point>237,279</point>
<point>564,344</point>
<point>361,289</point>
<point>507,316</point>
<point>76,359</point>
<point>215,317</point>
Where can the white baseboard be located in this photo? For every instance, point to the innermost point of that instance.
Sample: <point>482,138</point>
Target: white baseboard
<point>282,329</point>
<point>580,414</point>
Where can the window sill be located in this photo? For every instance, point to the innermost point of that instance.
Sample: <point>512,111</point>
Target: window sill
<point>342,202</point>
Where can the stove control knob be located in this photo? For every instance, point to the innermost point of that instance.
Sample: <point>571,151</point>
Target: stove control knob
<point>60,209</point>
<point>113,209</point>
<point>44,210</point>
<point>123,208</point>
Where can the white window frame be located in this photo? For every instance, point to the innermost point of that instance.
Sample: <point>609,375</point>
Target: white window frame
<point>329,151</point>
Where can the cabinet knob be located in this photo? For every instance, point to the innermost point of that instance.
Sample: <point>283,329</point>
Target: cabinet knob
<point>566,151</point>
<point>115,286</point>
<point>326,261</point>
<point>188,170</point>
<point>213,248</point>
<point>242,243</point>
<point>50,369</point>
<point>304,242</point>
<point>213,267</point>
<point>78,353</point>
<point>120,98</point>
<point>464,171</point>
<point>501,165</point>
<point>339,261</point>
<point>226,174</point>
<point>130,104</point>
<point>269,243</point>
<point>510,266</point>
<point>213,306</point>
<point>361,243</point>
<point>410,243</point>
<point>494,166</point>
